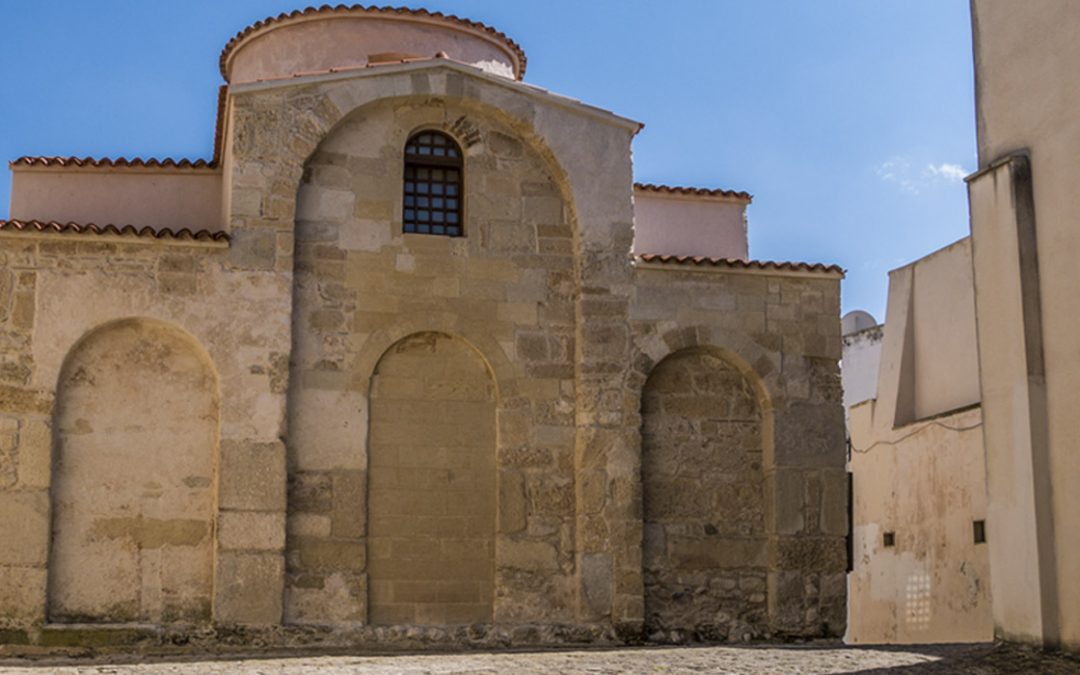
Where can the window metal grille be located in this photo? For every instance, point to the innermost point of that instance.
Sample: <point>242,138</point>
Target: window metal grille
<point>432,201</point>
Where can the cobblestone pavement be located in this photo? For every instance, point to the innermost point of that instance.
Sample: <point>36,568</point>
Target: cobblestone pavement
<point>802,659</point>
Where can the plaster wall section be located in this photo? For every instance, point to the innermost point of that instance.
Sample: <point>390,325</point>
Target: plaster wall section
<point>782,334</point>
<point>918,467</point>
<point>1026,97</point>
<point>155,198</point>
<point>316,45</point>
<point>860,364</point>
<point>689,225</point>
<point>929,363</point>
<point>923,484</point>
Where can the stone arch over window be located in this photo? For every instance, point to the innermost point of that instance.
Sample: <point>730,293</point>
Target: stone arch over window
<point>135,478</point>
<point>432,194</point>
<point>431,484</point>
<point>705,552</point>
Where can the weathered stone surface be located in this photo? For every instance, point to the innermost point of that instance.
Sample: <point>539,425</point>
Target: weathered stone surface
<point>251,531</point>
<point>24,519</point>
<point>251,597</point>
<point>252,476</point>
<point>511,479</point>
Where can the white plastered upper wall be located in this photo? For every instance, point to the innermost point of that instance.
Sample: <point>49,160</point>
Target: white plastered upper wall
<point>670,223</point>
<point>929,362</point>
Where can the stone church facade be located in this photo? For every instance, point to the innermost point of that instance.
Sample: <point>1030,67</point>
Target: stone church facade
<point>395,363</point>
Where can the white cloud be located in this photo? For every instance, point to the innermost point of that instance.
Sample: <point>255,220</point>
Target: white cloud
<point>898,169</point>
<point>949,172</point>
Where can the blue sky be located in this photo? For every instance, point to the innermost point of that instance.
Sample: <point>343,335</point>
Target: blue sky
<point>850,121</point>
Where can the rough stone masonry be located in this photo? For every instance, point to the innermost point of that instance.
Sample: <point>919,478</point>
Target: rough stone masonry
<point>307,426</point>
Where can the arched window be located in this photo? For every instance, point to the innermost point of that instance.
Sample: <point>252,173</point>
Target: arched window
<point>432,185</point>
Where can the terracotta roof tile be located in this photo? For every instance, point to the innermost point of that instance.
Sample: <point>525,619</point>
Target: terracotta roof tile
<point>764,265</point>
<point>108,162</point>
<point>702,192</point>
<point>370,10</point>
<point>121,231</point>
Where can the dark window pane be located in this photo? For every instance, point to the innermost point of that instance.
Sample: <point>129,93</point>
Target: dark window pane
<point>432,167</point>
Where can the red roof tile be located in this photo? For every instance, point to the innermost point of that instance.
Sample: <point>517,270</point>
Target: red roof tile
<point>139,162</point>
<point>121,231</point>
<point>108,162</point>
<point>370,10</point>
<point>765,265</point>
<point>701,192</point>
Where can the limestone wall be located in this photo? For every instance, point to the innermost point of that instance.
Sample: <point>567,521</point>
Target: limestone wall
<point>504,370</point>
<point>777,335</point>
<point>218,483</point>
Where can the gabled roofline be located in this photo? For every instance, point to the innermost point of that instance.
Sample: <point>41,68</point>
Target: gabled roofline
<point>435,63</point>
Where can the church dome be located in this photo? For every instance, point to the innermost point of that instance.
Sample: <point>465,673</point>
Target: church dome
<point>329,39</point>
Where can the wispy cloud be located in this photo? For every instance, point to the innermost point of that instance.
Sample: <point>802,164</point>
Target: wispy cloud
<point>949,172</point>
<point>900,171</point>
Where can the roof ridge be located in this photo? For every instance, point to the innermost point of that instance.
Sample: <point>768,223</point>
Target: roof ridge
<point>369,9</point>
<point>738,263</point>
<point>700,191</point>
<point>145,231</point>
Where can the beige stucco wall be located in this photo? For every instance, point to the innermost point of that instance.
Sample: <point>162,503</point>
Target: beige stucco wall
<point>318,44</point>
<point>924,483</point>
<point>1027,244</point>
<point>860,364</point>
<point>945,367</point>
<point>693,225</point>
<point>918,467</point>
<point>929,363</point>
<point>156,198</point>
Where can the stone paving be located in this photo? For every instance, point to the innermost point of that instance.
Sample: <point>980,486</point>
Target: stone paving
<point>985,659</point>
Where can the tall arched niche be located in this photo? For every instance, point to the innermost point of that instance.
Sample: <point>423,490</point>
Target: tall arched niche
<point>135,478</point>
<point>705,513</point>
<point>431,484</point>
